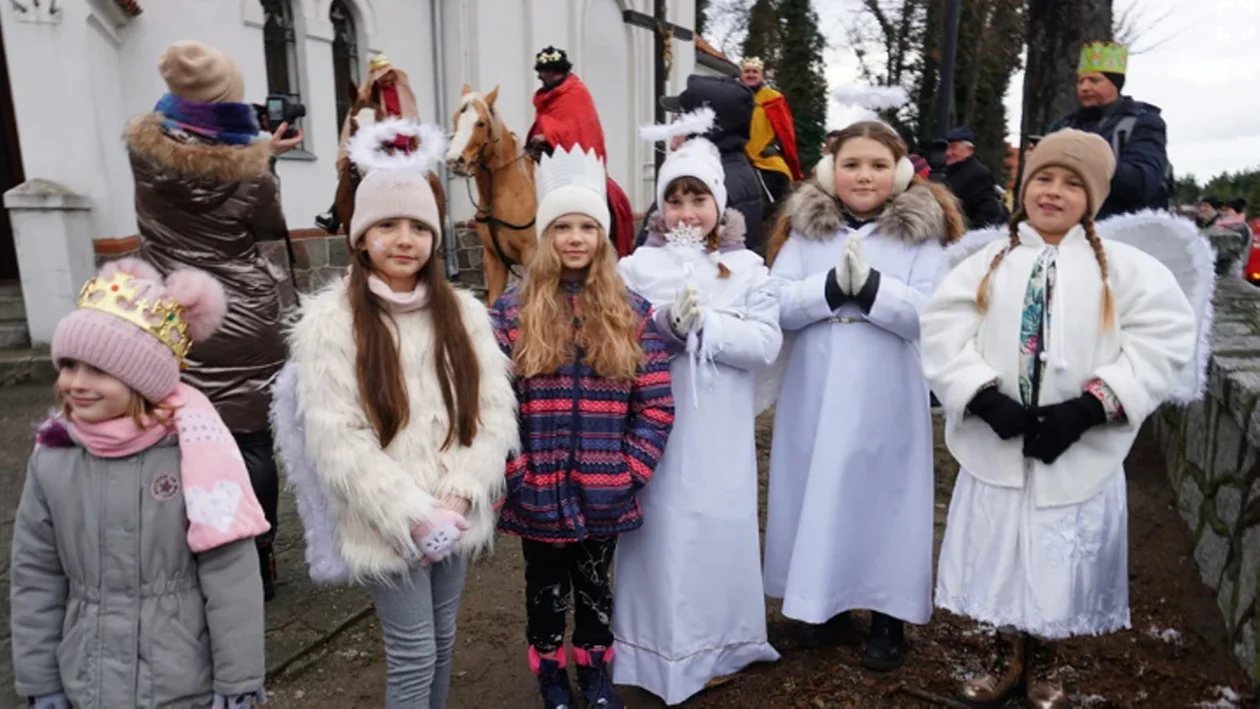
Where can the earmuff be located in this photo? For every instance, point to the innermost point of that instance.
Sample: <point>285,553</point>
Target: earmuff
<point>825,174</point>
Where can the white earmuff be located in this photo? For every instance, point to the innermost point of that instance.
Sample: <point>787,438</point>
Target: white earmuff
<point>825,174</point>
<point>902,175</point>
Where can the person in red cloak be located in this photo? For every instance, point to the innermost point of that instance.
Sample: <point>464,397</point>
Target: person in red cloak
<point>566,116</point>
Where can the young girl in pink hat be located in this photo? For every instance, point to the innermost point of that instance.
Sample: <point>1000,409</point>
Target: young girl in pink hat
<point>134,576</point>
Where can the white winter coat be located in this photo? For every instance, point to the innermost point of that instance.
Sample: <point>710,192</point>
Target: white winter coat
<point>1138,358</point>
<point>377,494</point>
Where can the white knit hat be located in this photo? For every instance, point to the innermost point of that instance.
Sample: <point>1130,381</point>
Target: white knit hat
<point>572,182</point>
<point>396,186</point>
<point>696,158</point>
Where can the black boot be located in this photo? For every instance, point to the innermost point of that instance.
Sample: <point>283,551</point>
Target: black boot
<point>267,565</point>
<point>595,678</point>
<point>884,646</point>
<point>815,635</point>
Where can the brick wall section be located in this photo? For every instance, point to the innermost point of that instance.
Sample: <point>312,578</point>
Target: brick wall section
<point>1212,449</point>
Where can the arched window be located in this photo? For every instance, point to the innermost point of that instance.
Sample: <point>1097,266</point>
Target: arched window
<point>345,51</point>
<point>280,49</point>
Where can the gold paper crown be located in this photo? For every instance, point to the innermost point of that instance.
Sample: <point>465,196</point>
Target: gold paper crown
<point>1106,57</point>
<point>119,296</point>
<point>753,63</point>
<point>380,61</point>
<point>545,57</point>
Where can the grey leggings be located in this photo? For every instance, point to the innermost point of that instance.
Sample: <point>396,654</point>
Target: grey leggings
<point>417,614</point>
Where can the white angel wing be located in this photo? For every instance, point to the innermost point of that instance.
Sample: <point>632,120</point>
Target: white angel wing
<point>972,242</point>
<point>1178,244</point>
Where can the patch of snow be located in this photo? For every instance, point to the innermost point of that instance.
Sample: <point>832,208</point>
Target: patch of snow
<point>1228,700</point>
<point>1092,700</point>
<point>1168,635</point>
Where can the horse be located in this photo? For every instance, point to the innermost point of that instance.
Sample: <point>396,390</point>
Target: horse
<point>485,150</point>
<point>348,176</point>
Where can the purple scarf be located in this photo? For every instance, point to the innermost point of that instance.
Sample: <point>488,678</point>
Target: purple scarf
<point>230,123</point>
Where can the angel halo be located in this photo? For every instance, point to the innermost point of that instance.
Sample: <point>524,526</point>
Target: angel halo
<point>366,148</point>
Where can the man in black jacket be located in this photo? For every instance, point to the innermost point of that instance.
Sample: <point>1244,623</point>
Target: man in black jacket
<point>1135,130</point>
<point>971,182</point>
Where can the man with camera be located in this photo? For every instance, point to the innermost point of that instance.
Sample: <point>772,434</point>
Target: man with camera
<point>206,196</point>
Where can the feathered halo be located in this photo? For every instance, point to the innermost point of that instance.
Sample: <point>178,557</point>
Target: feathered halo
<point>366,147</point>
<point>697,122</point>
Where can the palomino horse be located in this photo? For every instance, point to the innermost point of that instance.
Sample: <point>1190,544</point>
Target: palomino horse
<point>348,176</point>
<point>484,149</point>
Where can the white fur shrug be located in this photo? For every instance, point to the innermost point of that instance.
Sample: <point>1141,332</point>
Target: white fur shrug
<point>377,494</point>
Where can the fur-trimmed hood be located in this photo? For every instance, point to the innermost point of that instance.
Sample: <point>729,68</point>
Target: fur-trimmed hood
<point>222,163</point>
<point>731,230</point>
<point>914,216</point>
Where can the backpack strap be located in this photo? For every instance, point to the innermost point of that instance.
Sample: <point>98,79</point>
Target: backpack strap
<point>1120,136</point>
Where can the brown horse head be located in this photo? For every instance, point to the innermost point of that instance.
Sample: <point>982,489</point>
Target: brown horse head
<point>477,129</point>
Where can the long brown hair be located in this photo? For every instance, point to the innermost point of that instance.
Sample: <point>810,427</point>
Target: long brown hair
<point>696,187</point>
<point>1100,254</point>
<point>382,387</point>
<point>609,334</point>
<point>886,136</point>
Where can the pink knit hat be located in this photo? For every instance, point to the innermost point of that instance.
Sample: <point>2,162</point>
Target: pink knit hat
<point>123,348</point>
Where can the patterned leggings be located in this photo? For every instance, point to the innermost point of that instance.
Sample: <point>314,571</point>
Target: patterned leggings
<point>553,572</point>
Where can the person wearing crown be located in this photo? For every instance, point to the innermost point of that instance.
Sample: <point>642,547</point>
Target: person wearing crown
<point>698,553</point>
<point>1135,131</point>
<point>565,116</point>
<point>134,578</point>
<point>772,135</point>
<point>592,379</point>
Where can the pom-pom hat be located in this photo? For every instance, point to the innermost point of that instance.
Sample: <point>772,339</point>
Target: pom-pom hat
<point>137,327</point>
<point>572,181</point>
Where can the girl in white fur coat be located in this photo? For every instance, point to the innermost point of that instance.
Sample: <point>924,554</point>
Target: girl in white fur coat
<point>1047,351</point>
<point>409,417</point>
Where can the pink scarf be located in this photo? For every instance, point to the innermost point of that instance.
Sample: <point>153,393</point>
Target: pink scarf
<point>218,497</point>
<point>397,302</point>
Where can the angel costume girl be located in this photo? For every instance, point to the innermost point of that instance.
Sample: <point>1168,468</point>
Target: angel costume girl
<point>690,603</point>
<point>1048,349</point>
<point>851,489</point>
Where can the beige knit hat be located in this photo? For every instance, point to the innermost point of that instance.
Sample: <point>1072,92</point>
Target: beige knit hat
<point>199,72</point>
<point>1086,154</point>
<point>387,194</point>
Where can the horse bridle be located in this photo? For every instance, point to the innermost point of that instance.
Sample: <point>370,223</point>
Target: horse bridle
<point>486,215</point>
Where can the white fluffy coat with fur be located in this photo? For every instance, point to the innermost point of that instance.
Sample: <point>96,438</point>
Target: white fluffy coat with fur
<point>377,494</point>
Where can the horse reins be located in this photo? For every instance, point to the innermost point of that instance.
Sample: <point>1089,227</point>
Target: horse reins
<point>486,215</point>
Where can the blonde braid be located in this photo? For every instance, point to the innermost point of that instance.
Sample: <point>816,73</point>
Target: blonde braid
<point>982,293</point>
<point>1108,302</point>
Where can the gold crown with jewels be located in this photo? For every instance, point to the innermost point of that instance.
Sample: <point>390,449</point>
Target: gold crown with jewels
<point>120,296</point>
<point>545,56</point>
<point>753,63</point>
<point>380,61</point>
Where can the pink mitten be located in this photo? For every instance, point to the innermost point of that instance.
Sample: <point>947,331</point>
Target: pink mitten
<point>437,535</point>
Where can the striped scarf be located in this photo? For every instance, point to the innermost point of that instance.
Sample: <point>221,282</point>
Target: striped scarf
<point>229,123</point>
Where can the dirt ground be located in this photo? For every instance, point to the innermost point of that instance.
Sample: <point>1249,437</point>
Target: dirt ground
<point>1175,655</point>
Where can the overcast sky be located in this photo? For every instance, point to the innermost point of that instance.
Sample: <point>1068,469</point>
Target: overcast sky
<point>1205,76</point>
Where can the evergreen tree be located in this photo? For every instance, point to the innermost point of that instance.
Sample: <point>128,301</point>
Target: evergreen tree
<point>765,38</point>
<point>702,11</point>
<point>801,76</point>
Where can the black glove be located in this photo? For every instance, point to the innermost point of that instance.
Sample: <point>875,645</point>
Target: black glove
<point>1008,418</point>
<point>1060,425</point>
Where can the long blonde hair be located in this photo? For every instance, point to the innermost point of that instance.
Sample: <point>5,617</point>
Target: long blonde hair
<point>1095,243</point>
<point>609,329</point>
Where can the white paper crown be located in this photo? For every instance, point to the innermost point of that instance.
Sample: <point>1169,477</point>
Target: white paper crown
<point>366,148</point>
<point>571,168</point>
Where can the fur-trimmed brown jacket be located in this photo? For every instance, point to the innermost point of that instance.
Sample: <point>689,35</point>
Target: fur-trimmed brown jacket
<point>207,206</point>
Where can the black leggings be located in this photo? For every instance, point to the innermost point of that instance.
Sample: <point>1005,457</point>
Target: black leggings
<point>553,572</point>
<point>258,450</point>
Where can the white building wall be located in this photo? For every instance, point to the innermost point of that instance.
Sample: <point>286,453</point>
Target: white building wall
<point>78,80</point>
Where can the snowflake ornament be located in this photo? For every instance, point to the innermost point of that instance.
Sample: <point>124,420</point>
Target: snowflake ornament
<point>684,236</point>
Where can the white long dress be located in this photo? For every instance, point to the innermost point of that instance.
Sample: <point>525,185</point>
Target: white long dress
<point>690,606</point>
<point>851,484</point>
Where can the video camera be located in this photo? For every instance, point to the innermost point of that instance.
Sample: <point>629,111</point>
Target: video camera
<point>279,109</point>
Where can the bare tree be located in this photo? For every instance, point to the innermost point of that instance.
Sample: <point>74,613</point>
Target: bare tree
<point>727,24</point>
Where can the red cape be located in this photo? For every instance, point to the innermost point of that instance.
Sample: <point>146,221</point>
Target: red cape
<point>780,116</point>
<point>566,116</point>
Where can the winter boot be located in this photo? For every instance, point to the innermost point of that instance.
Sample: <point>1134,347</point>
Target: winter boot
<point>594,679</point>
<point>267,566</point>
<point>1041,674</point>
<point>884,651</point>
<point>815,635</point>
<point>553,679</point>
<point>1005,672</point>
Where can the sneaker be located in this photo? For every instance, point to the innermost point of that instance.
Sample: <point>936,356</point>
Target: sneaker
<point>594,680</point>
<point>1004,675</point>
<point>553,679</point>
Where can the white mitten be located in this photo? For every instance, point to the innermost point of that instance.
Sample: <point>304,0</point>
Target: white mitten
<point>684,312</point>
<point>437,535</point>
<point>859,268</point>
<point>841,273</point>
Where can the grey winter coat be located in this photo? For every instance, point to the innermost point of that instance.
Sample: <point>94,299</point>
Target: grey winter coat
<point>109,605</point>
